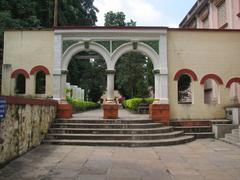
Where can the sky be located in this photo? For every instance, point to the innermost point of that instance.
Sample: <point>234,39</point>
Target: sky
<point>146,12</point>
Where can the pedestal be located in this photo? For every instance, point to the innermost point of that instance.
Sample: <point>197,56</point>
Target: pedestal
<point>64,111</point>
<point>159,113</point>
<point>110,111</point>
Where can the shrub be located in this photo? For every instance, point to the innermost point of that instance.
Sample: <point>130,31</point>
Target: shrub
<point>132,104</point>
<point>79,106</point>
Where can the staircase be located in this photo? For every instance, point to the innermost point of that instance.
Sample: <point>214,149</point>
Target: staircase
<point>131,132</point>
<point>198,128</point>
<point>233,137</point>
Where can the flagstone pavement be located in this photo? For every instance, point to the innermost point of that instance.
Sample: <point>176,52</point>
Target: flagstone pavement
<point>205,159</point>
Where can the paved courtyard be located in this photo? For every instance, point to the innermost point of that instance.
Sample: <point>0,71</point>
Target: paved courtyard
<point>206,159</point>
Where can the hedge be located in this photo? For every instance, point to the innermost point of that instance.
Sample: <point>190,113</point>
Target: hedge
<point>79,106</point>
<point>132,104</point>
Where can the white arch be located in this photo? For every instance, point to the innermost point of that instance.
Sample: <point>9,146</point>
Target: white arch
<point>78,47</point>
<point>143,48</point>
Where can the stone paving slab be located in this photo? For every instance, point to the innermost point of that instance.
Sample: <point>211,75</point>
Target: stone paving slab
<point>204,159</point>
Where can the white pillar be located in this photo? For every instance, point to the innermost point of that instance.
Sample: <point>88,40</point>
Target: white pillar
<point>57,85</point>
<point>63,84</point>
<point>6,79</point>
<point>162,77</point>
<point>157,85</point>
<point>57,67</point>
<point>110,85</point>
<point>164,89</point>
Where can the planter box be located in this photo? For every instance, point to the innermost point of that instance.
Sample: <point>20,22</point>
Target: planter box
<point>159,113</point>
<point>110,111</point>
<point>64,111</point>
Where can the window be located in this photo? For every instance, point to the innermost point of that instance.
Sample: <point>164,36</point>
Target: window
<point>222,15</point>
<point>211,92</point>
<point>235,93</point>
<point>184,89</point>
<point>40,83</point>
<point>20,87</point>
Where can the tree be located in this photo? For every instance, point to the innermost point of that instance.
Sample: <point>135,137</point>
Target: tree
<point>39,14</point>
<point>117,19</point>
<point>88,74</point>
<point>133,70</point>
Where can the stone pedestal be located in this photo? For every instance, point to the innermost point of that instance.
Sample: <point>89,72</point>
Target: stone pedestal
<point>159,113</point>
<point>64,110</point>
<point>110,111</point>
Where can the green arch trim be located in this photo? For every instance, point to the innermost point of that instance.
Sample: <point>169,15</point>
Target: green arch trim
<point>153,44</point>
<point>67,43</point>
<point>105,44</point>
<point>116,44</point>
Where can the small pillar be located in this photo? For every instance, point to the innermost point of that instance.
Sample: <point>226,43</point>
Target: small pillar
<point>64,110</point>
<point>159,111</point>
<point>110,107</point>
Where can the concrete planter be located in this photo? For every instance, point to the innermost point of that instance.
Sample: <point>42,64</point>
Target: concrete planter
<point>64,111</point>
<point>159,113</point>
<point>110,111</point>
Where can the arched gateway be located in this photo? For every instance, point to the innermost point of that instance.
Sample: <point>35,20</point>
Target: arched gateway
<point>111,44</point>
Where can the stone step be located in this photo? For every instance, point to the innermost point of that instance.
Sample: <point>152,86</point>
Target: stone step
<point>230,141</point>
<point>199,135</point>
<point>123,143</point>
<point>103,125</point>
<point>116,136</point>
<point>221,121</point>
<point>230,137</point>
<point>190,123</point>
<point>163,129</point>
<point>188,129</point>
<point>236,132</point>
<point>109,121</point>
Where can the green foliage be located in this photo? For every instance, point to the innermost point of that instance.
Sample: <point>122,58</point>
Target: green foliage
<point>134,75</point>
<point>132,104</point>
<point>80,106</point>
<point>39,14</point>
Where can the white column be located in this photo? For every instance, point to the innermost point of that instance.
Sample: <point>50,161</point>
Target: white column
<point>63,85</point>
<point>6,79</point>
<point>164,89</point>
<point>211,16</point>
<point>110,85</point>
<point>57,67</point>
<point>162,77</point>
<point>157,85</point>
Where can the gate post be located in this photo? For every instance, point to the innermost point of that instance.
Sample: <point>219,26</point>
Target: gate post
<point>110,107</point>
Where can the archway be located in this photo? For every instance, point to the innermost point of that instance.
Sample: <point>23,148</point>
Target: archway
<point>61,76</point>
<point>160,81</point>
<point>86,76</point>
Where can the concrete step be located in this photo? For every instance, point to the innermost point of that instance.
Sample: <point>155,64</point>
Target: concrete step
<point>106,125</point>
<point>188,129</point>
<point>236,132</point>
<point>163,129</point>
<point>123,143</point>
<point>199,135</point>
<point>221,121</point>
<point>230,137</point>
<point>116,136</point>
<point>109,121</point>
<point>230,141</point>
